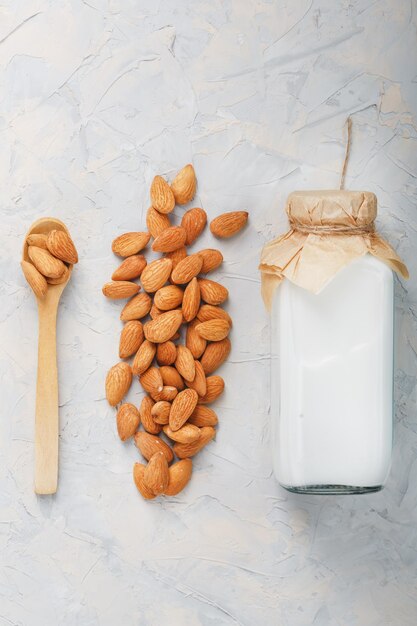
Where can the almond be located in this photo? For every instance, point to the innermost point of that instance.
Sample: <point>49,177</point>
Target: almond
<point>160,412</point>
<point>143,358</point>
<point>163,327</point>
<point>186,269</point>
<point>179,476</point>
<point>138,307</point>
<point>166,353</point>
<point>130,268</point>
<point>212,292</point>
<point>149,444</point>
<point>182,407</point>
<point>37,239</point>
<point>118,381</point>
<point>168,393</point>
<point>156,274</point>
<point>151,380</point>
<point>169,297</point>
<point>215,387</point>
<point>191,300</point>
<point>212,259</point>
<point>162,197</point>
<point>186,450</point>
<point>131,338</point>
<point>214,355</point>
<point>155,312</point>
<point>60,244</point>
<point>171,377</point>
<point>184,185</point>
<point>184,363</point>
<point>199,384</point>
<point>35,279</point>
<point>128,420</point>
<point>156,222</point>
<point>119,289</point>
<point>194,342</point>
<point>62,279</point>
<point>138,477</point>
<point>186,434</point>
<point>228,224</point>
<point>170,239</point>
<point>45,263</point>
<point>209,312</point>
<point>213,330</point>
<point>146,418</point>
<point>176,256</point>
<point>203,416</point>
<point>194,222</point>
<point>156,474</point>
<point>130,243</point>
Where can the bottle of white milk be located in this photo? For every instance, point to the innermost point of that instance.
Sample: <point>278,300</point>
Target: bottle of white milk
<point>329,285</point>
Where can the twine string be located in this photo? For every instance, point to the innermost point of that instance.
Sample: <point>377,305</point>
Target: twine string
<point>316,229</point>
<point>347,153</point>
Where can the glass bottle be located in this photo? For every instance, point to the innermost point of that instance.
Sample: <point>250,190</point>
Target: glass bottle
<point>332,346</point>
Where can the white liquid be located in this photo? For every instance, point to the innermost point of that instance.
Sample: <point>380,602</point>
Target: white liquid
<point>332,378</point>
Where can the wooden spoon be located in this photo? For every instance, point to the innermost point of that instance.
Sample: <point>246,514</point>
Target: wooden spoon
<point>47,415</point>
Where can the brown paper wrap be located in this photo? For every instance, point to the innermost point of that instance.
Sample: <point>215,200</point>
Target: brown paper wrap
<point>329,229</point>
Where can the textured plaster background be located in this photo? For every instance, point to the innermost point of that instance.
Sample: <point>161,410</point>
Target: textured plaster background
<point>95,98</point>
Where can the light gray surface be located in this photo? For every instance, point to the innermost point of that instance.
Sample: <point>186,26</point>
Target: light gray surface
<point>97,97</point>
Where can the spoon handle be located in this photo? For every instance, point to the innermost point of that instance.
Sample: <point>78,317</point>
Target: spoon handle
<point>47,415</point>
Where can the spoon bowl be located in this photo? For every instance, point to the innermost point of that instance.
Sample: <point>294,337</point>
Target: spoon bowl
<point>42,227</point>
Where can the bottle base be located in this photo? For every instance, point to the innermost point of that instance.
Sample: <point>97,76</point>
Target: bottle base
<point>331,490</point>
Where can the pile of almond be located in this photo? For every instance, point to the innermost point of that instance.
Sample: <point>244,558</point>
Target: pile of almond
<point>176,332</point>
<point>51,256</point>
